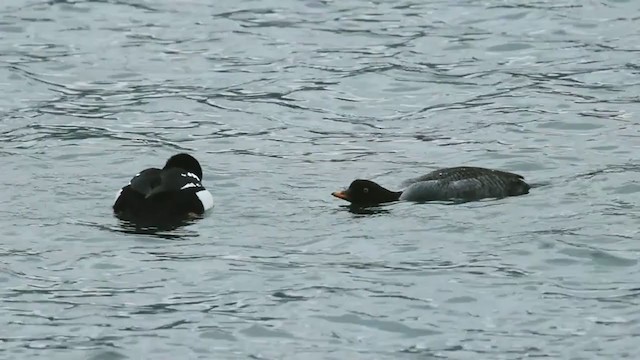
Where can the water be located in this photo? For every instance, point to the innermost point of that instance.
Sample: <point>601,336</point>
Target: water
<point>284,102</point>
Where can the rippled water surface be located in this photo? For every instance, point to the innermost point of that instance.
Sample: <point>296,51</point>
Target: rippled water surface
<point>284,102</point>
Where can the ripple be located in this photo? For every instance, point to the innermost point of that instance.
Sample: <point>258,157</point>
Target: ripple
<point>388,326</point>
<point>509,47</point>
<point>108,355</point>
<point>284,103</point>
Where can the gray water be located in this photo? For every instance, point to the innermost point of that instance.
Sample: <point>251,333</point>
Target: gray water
<point>284,102</point>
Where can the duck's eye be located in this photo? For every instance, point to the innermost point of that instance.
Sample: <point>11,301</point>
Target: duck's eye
<point>365,190</point>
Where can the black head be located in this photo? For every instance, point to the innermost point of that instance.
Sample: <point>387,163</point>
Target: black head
<point>367,192</point>
<point>185,162</point>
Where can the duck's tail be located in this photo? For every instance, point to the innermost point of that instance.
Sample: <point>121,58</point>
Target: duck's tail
<point>519,187</point>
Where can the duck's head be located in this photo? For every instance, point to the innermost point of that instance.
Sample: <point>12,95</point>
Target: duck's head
<point>185,162</point>
<point>366,192</point>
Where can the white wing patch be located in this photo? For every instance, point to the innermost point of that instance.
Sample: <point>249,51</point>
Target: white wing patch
<point>205,198</point>
<point>189,185</point>
<point>191,175</point>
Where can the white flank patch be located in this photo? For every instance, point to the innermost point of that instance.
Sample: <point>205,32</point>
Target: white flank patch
<point>189,185</point>
<point>117,195</point>
<point>206,199</point>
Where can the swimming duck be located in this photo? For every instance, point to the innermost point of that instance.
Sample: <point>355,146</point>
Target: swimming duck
<point>161,195</point>
<point>457,183</point>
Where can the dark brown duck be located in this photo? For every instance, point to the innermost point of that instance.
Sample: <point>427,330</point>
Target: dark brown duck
<point>457,183</point>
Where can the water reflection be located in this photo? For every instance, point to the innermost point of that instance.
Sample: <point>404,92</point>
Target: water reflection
<point>165,230</point>
<point>366,209</point>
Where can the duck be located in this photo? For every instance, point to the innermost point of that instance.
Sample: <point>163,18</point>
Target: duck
<point>462,183</point>
<point>172,193</point>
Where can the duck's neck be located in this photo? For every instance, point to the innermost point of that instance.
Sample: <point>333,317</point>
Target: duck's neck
<point>389,196</point>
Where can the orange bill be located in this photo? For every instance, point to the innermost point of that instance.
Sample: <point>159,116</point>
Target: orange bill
<point>341,195</point>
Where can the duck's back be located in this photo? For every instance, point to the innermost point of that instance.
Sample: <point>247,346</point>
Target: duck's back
<point>464,183</point>
<point>158,195</point>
